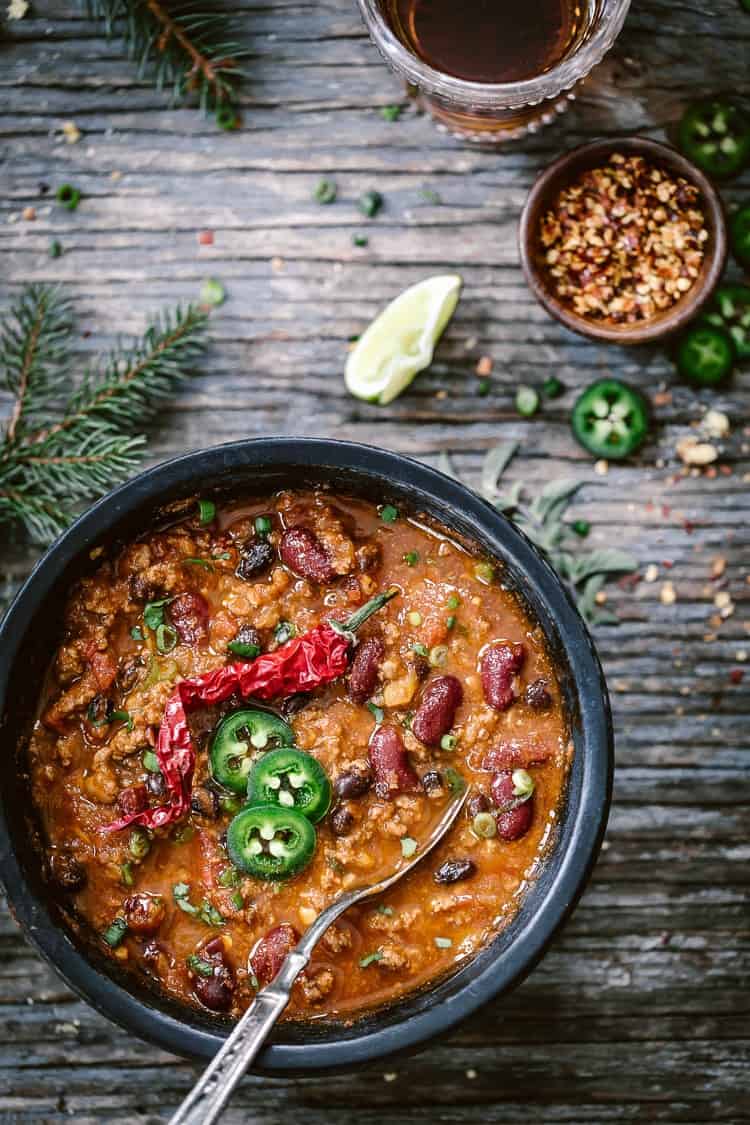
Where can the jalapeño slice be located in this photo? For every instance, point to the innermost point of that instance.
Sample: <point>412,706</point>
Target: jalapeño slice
<point>739,234</point>
<point>270,842</point>
<point>610,419</point>
<point>236,741</point>
<point>715,135</point>
<point>730,310</point>
<point>290,779</point>
<point>705,356</point>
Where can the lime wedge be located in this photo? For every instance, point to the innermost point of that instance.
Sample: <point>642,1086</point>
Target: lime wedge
<point>400,342</point>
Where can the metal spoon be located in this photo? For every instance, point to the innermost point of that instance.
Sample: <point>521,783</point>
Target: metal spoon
<point>212,1091</point>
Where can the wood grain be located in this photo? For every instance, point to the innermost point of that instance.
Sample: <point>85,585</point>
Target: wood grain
<point>639,1013</point>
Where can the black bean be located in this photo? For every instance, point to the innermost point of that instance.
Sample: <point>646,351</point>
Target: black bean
<point>205,803</point>
<point>454,870</point>
<point>342,821</point>
<point>537,696</point>
<point>352,783</point>
<point>294,703</point>
<point>432,782</point>
<point>67,872</point>
<point>257,557</point>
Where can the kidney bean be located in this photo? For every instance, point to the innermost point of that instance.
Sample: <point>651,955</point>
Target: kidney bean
<point>389,760</point>
<point>503,791</point>
<point>204,802</point>
<point>514,754</point>
<point>257,556</point>
<point>215,992</point>
<point>432,783</point>
<point>537,696</point>
<point>271,950</point>
<point>144,913</point>
<point>67,872</point>
<point>454,870</point>
<point>128,675</point>
<point>302,552</point>
<point>437,709</point>
<point>477,804</point>
<point>499,666</point>
<point>352,783</point>
<point>189,615</point>
<point>134,799</point>
<point>342,821</point>
<point>363,677</point>
<point>514,823</point>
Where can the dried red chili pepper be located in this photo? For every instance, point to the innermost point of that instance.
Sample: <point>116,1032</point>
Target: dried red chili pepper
<point>316,658</point>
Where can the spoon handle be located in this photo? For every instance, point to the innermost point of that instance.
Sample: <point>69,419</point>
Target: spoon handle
<point>207,1099</point>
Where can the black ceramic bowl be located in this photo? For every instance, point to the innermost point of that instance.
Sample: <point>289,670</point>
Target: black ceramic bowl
<point>30,632</point>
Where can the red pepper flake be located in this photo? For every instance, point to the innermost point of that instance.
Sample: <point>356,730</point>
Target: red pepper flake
<point>689,526</point>
<point>737,675</point>
<point>205,238</point>
<point>318,657</point>
<point>667,564</point>
<point>666,511</point>
<point>725,470</point>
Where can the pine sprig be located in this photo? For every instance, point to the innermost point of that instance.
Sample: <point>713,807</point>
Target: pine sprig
<point>185,47</point>
<point>57,453</point>
<point>541,519</point>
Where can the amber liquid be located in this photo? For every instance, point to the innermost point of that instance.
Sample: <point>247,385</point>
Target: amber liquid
<point>487,40</point>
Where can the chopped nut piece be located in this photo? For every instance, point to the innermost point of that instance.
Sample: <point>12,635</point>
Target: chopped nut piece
<point>716,424</point>
<point>667,595</point>
<point>694,452</point>
<point>484,366</point>
<point>718,566</point>
<point>602,468</point>
<point>71,132</point>
<point>652,573</point>
<point>29,214</point>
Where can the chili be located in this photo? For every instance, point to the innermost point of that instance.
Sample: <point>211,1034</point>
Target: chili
<point>610,419</point>
<point>705,356</point>
<point>237,738</point>
<point>740,235</point>
<point>290,779</point>
<point>730,310</point>
<point>715,135</point>
<point>301,664</point>
<point>270,842</point>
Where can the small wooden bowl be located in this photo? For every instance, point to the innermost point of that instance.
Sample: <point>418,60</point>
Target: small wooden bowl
<point>566,169</point>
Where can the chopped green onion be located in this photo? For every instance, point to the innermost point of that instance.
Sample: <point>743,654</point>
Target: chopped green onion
<point>68,196</point>
<point>237,901</point>
<point>139,843</point>
<point>443,942</point>
<point>448,742</point>
<point>55,249</point>
<point>166,638</point>
<point>450,622</point>
<point>136,633</point>
<point>371,958</point>
<point>229,877</point>
<point>244,649</point>
<point>209,915</point>
<point>414,618</point>
<point>200,967</point>
<point>453,601</point>
<point>153,613</point>
<point>456,782</point>
<point>484,386</point>
<point>227,117</point>
<point>183,834</point>
<point>360,240</point>
<point>122,717</point>
<point>406,720</point>
<point>150,762</point>
<point>553,387</point>
<point>377,712</point>
<point>581,527</point>
<point>206,511</point>
<point>411,558</point>
<point>527,401</point>
<point>222,556</point>
<point>229,804</point>
<point>484,572</point>
<point>523,783</point>
<point>198,562</point>
<point>484,825</point>
<point>438,655</point>
<point>419,648</point>
<point>325,192</point>
<point>212,292</point>
<point>390,112</point>
<point>370,203</point>
<point>263,526</point>
<point>126,874</point>
<point>284,632</point>
<point>115,932</point>
<point>389,514</point>
<point>381,908</point>
<point>408,846</point>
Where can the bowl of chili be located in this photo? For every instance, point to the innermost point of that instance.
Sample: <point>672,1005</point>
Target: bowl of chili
<point>590,266</point>
<point>27,636</point>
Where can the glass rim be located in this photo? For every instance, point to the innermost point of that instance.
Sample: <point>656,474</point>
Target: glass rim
<point>493,95</point>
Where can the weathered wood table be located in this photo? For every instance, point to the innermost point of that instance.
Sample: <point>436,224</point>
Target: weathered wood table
<point>640,1010</point>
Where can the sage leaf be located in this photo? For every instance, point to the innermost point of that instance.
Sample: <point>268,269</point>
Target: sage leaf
<point>495,464</point>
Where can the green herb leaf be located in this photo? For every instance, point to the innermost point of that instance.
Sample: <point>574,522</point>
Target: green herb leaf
<point>494,465</point>
<point>122,717</point>
<point>136,633</point>
<point>390,112</point>
<point>198,562</point>
<point>244,649</point>
<point>206,511</point>
<point>115,932</point>
<point>371,958</point>
<point>377,712</point>
<point>381,908</point>
<point>408,846</point>
<point>325,192</point>
<point>411,558</point>
<point>284,631</point>
<point>153,613</point>
<point>388,513</point>
<point>150,762</point>
<point>198,966</point>
<point>263,526</point>
<point>455,780</point>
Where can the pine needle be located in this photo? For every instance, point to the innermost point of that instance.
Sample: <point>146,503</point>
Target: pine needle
<point>58,449</point>
<point>185,47</point>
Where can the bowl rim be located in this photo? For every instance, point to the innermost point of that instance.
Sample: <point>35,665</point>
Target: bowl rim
<point>560,172</point>
<point>589,817</point>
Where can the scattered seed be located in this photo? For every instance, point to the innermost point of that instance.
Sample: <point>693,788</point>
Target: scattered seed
<point>667,595</point>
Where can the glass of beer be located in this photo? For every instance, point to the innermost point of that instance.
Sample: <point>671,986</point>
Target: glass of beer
<point>494,70</point>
